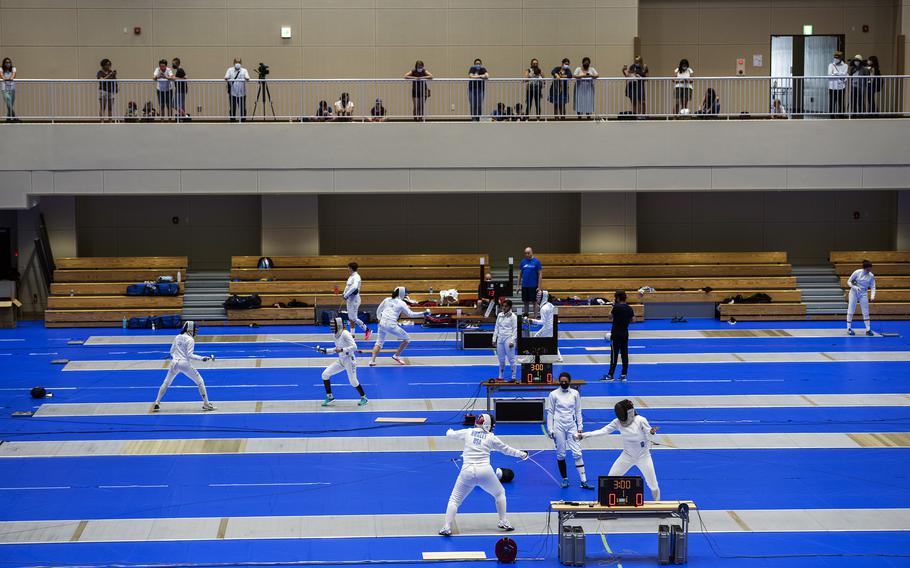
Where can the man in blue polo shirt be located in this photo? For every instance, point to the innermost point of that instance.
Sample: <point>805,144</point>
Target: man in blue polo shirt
<point>530,275</point>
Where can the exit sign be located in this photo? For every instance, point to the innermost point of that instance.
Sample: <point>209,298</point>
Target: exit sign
<point>807,29</point>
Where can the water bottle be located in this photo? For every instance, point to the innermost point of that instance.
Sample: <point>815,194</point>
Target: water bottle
<point>178,278</point>
<point>124,323</point>
<point>153,324</point>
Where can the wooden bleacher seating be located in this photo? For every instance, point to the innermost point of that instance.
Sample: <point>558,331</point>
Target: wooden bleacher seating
<point>676,277</point>
<point>319,280</point>
<point>91,291</point>
<point>892,280</point>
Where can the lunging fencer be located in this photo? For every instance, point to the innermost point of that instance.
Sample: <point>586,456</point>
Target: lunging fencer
<point>182,357</point>
<point>505,335</point>
<point>636,435</point>
<point>547,311</point>
<point>476,470</point>
<point>862,291</point>
<point>564,422</point>
<point>388,312</point>
<point>346,348</point>
<point>351,297</point>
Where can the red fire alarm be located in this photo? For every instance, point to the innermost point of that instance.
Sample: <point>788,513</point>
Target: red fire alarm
<point>137,30</point>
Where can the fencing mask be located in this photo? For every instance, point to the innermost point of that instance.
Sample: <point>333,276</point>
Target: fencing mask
<point>625,411</point>
<point>189,327</point>
<point>400,292</point>
<point>484,421</point>
<point>542,297</point>
<point>38,392</point>
<point>505,474</point>
<point>337,326</point>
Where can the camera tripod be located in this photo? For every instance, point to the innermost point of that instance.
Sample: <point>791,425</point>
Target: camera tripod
<point>263,93</point>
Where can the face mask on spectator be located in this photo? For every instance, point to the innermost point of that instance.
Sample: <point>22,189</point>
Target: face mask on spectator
<point>237,66</point>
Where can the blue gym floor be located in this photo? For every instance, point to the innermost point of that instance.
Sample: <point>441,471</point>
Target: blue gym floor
<point>407,482</point>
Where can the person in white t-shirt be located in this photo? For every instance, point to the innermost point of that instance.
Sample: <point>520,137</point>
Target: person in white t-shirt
<point>683,87</point>
<point>8,87</point>
<point>236,78</point>
<point>344,108</point>
<point>837,84</point>
<point>164,83</point>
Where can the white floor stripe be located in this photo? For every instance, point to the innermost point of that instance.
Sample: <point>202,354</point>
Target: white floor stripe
<point>48,488</point>
<point>417,525</point>
<point>439,443</point>
<point>455,404</point>
<point>131,486</point>
<point>488,360</point>
<point>302,483</point>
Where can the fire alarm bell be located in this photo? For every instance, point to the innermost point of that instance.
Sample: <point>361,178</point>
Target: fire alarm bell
<point>137,30</point>
<point>740,66</point>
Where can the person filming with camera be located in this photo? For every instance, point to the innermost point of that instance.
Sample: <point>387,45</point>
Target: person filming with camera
<point>236,78</point>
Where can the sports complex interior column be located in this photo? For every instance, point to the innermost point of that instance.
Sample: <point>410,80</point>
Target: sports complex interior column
<point>290,225</point>
<point>902,241</point>
<point>608,222</point>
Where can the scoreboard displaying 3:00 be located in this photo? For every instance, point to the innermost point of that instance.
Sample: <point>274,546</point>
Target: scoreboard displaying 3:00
<point>620,491</point>
<point>537,372</point>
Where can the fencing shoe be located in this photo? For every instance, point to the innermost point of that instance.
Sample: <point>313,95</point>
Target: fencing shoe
<point>208,406</point>
<point>869,332</point>
<point>584,485</point>
<point>565,483</point>
<point>398,360</point>
<point>372,363</point>
<point>156,407</point>
<point>329,399</point>
<point>363,401</point>
<point>622,378</point>
<point>851,332</point>
<point>504,525</point>
<point>366,334</point>
<point>607,378</point>
<point>446,531</point>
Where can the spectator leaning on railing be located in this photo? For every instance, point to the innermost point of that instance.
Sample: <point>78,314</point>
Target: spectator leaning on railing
<point>875,84</point>
<point>107,88</point>
<point>378,112</point>
<point>635,90</point>
<point>584,88</point>
<point>323,112</point>
<point>180,88</point>
<point>420,92</point>
<point>344,108</point>
<point>559,88</point>
<point>683,87</point>
<point>476,87</point>
<point>837,83</point>
<point>9,88</point>
<point>859,81</point>
<point>164,79</point>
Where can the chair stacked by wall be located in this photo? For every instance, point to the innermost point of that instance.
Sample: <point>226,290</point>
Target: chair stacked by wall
<point>319,280</point>
<point>91,291</point>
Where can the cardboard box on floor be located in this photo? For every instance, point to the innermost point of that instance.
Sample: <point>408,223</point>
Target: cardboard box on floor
<point>8,312</point>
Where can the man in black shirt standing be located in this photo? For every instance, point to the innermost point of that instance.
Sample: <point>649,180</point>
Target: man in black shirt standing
<point>622,315</point>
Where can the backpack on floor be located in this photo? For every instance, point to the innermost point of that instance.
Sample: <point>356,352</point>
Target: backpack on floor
<point>168,322</point>
<point>139,323</point>
<point>236,302</point>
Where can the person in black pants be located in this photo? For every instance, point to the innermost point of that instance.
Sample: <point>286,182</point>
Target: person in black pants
<point>622,315</point>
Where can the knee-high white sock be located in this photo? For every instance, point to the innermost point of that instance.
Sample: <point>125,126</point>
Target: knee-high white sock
<point>205,396</point>
<point>451,510</point>
<point>868,324</point>
<point>655,493</point>
<point>501,506</point>
<point>161,392</point>
<point>580,465</point>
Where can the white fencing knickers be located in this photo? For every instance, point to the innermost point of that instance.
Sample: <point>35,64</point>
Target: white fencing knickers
<point>565,438</point>
<point>472,476</point>
<point>625,462</point>
<point>187,369</point>
<point>505,353</point>
<point>393,330</point>
<point>353,304</point>
<point>863,305</point>
<point>343,363</point>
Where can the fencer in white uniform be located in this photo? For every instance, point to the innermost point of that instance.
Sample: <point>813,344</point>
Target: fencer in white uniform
<point>862,291</point>
<point>546,310</point>
<point>505,335</point>
<point>351,297</point>
<point>636,444</point>
<point>563,423</point>
<point>388,313</point>
<point>346,348</point>
<point>476,470</point>
<point>182,357</point>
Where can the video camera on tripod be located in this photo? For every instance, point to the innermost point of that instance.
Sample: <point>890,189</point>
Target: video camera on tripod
<point>263,93</point>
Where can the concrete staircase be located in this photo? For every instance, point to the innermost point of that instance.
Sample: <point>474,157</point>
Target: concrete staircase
<point>821,291</point>
<point>204,295</point>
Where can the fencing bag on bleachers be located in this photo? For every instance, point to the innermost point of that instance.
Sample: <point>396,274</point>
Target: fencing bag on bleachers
<point>139,323</point>
<point>265,263</point>
<point>236,302</point>
<point>142,289</point>
<point>165,279</point>
<point>327,316</point>
<point>295,303</point>
<point>168,322</point>
<point>167,289</point>
<point>361,315</point>
<point>438,320</point>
